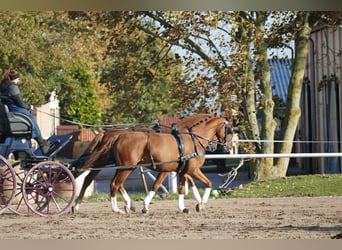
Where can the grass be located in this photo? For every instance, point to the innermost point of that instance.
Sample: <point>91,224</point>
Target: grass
<point>298,186</point>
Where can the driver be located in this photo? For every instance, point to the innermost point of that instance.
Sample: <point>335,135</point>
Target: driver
<point>11,96</point>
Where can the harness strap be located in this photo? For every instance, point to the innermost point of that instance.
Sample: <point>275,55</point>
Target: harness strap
<point>193,155</point>
<point>194,137</point>
<point>149,149</point>
<point>180,143</point>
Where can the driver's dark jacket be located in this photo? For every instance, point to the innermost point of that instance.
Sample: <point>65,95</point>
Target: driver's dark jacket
<point>10,94</point>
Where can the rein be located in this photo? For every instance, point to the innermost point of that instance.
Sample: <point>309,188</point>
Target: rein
<point>210,140</point>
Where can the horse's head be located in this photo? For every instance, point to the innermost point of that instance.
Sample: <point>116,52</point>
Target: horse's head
<point>224,134</point>
<point>216,130</point>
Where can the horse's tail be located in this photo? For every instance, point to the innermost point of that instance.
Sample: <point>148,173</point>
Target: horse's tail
<point>102,154</point>
<point>94,143</point>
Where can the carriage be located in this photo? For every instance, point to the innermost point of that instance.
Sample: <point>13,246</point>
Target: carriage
<point>30,182</point>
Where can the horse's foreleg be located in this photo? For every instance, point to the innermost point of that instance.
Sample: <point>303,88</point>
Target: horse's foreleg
<point>160,178</point>
<point>87,181</point>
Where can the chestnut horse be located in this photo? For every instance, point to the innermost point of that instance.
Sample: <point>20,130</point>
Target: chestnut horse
<point>160,152</point>
<point>98,153</point>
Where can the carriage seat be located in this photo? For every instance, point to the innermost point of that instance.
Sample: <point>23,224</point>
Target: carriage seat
<point>13,123</point>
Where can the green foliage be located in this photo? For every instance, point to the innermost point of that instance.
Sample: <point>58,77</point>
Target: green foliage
<point>81,92</point>
<point>44,48</point>
<point>142,79</point>
<point>102,68</point>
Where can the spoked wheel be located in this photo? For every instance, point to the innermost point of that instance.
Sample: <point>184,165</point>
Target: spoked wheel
<point>49,189</point>
<point>7,184</point>
<point>18,204</point>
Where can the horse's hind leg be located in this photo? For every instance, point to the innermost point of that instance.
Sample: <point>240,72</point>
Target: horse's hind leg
<point>160,178</point>
<point>87,181</point>
<point>181,192</point>
<point>193,188</point>
<point>128,201</point>
<point>117,185</point>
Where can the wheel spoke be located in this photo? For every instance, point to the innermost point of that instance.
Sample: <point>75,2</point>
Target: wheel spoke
<point>7,184</point>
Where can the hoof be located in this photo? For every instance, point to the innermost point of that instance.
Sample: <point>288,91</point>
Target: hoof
<point>74,209</point>
<point>199,207</point>
<point>132,206</point>
<point>144,210</point>
<point>118,211</point>
<point>127,210</point>
<point>186,211</point>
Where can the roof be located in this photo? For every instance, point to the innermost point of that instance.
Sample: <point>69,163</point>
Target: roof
<point>280,76</point>
<point>167,121</point>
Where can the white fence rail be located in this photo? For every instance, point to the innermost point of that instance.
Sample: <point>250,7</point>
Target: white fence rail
<point>291,155</point>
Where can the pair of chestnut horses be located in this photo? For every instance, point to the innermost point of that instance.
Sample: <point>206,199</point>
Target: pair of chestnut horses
<point>180,149</point>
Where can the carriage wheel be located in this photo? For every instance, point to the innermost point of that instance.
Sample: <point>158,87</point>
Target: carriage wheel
<point>18,204</point>
<point>49,189</point>
<point>7,184</point>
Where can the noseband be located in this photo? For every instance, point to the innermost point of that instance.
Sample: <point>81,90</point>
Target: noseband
<point>224,142</point>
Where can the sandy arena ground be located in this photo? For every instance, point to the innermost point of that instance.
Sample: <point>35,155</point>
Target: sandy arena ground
<point>264,218</point>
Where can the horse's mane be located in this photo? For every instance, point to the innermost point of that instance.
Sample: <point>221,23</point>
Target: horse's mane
<point>206,119</point>
<point>193,120</point>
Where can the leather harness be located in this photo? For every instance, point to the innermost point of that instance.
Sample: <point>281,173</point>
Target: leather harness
<point>182,157</point>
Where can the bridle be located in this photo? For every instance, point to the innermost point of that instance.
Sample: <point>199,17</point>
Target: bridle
<point>218,141</point>
<point>223,143</point>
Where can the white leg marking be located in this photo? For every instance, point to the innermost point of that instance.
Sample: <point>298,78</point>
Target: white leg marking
<point>181,202</point>
<point>76,207</point>
<point>115,207</point>
<point>206,195</point>
<point>196,194</point>
<point>148,199</point>
<point>127,199</point>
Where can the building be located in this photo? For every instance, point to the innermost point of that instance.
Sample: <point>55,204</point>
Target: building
<point>47,116</point>
<point>321,100</point>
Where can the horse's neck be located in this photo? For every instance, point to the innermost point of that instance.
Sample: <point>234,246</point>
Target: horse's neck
<point>208,130</point>
<point>193,120</point>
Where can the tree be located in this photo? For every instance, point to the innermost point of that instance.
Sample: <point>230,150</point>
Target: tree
<point>229,52</point>
<point>143,76</point>
<point>48,48</point>
<point>102,68</point>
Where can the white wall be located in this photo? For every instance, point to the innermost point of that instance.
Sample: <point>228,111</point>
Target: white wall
<point>47,116</point>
